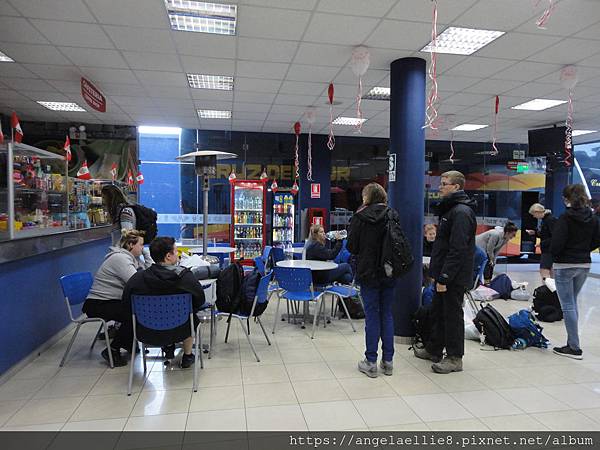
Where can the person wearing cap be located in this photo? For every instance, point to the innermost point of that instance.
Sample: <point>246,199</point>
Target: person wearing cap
<point>544,232</point>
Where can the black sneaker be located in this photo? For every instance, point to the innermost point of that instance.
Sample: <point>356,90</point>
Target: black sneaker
<point>169,351</point>
<point>118,361</point>
<point>187,361</point>
<point>568,352</point>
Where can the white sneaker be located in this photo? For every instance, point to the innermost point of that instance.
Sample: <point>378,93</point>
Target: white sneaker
<point>368,368</point>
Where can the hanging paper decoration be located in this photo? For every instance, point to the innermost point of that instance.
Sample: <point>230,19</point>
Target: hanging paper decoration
<point>432,99</point>
<point>449,123</point>
<point>274,186</point>
<point>359,63</point>
<point>295,188</point>
<point>543,20</point>
<point>67,148</point>
<point>496,110</point>
<point>232,176</point>
<point>129,178</point>
<point>331,138</point>
<point>113,171</point>
<point>139,178</point>
<point>311,116</point>
<point>568,80</point>
<point>84,173</point>
<point>297,129</point>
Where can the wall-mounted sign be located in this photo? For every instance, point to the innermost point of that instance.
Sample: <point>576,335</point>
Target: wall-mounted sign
<point>392,167</point>
<point>92,95</point>
<point>518,154</point>
<point>317,220</point>
<point>519,166</point>
<point>315,190</point>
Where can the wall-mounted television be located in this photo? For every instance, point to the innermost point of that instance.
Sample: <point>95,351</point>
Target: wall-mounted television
<point>547,141</point>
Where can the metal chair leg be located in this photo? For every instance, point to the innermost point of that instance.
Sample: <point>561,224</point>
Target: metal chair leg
<point>263,330</point>
<point>133,351</point>
<point>97,334</point>
<point>197,351</point>
<point>228,327</point>
<point>341,300</point>
<point>248,338</point>
<point>62,362</point>
<point>110,356</point>
<point>318,310</point>
<point>212,330</point>
<point>143,357</point>
<point>277,312</point>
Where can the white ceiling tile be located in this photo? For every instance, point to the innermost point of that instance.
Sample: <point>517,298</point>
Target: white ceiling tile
<point>306,72</point>
<point>584,74</point>
<point>375,105</point>
<point>570,17</point>
<point>248,125</point>
<point>323,54</point>
<point>454,84</point>
<point>271,23</point>
<point>246,115</point>
<point>593,61</point>
<point>8,94</point>
<point>203,44</point>
<point>175,103</point>
<point>35,54</point>
<point>267,70</point>
<point>258,98</point>
<point>251,107</point>
<point>423,11</point>
<point>488,15</point>
<point>257,85</point>
<point>301,88</point>
<point>170,92</point>
<point>133,13</point>
<point>393,34</point>
<point>68,73</point>
<point>296,100</point>
<point>254,50</point>
<point>209,66</point>
<point>73,34</point>
<point>212,94</point>
<point>381,58</point>
<point>17,29</point>
<point>124,100</point>
<point>339,29</point>
<point>493,87</point>
<point>159,78</point>
<point>26,85</point>
<point>121,89</point>
<point>517,46</point>
<point>7,10</point>
<point>592,32</point>
<point>526,71</point>
<point>289,4</point>
<point>465,99</point>
<point>141,39</point>
<point>153,61</point>
<point>15,70</point>
<point>343,91</point>
<point>356,7</point>
<point>104,75</point>
<point>371,77</point>
<point>55,9</point>
<point>568,51</point>
<point>532,90</point>
<point>94,57</point>
<point>483,67</point>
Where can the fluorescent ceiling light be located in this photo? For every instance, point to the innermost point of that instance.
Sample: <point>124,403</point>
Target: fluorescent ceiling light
<point>378,93</point>
<point>146,129</point>
<point>213,114</point>
<point>582,132</point>
<point>5,58</point>
<point>202,17</point>
<point>219,82</point>
<point>348,121</point>
<point>462,41</point>
<point>539,104</point>
<point>468,127</point>
<point>62,106</point>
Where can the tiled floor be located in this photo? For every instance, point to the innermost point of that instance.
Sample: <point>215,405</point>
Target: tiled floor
<point>304,384</point>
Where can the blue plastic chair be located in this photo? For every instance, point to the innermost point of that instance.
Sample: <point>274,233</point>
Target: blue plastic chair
<point>260,265</point>
<point>277,255</point>
<point>340,292</point>
<point>76,287</point>
<point>160,313</point>
<point>262,296</point>
<point>296,285</point>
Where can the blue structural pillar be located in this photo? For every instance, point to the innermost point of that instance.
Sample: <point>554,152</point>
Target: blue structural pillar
<point>557,177</point>
<point>406,192</point>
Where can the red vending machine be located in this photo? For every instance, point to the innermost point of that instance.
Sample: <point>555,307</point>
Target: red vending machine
<point>248,229</point>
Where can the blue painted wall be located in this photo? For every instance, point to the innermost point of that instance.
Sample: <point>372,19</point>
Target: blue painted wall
<point>32,305</point>
<point>321,171</point>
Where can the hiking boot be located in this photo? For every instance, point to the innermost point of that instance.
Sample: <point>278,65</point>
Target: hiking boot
<point>422,353</point>
<point>368,368</point>
<point>448,364</point>
<point>187,361</point>
<point>118,361</point>
<point>568,352</point>
<point>387,367</point>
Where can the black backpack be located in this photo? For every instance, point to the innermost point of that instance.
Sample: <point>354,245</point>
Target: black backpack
<point>229,286</point>
<point>248,292</point>
<point>145,220</point>
<point>396,254</point>
<point>354,306</point>
<point>494,327</point>
<point>423,323</point>
<point>547,305</point>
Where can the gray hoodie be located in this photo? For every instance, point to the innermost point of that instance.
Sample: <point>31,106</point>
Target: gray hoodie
<point>118,267</point>
<point>491,242</point>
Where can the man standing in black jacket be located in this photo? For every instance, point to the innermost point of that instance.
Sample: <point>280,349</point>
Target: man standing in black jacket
<point>451,267</point>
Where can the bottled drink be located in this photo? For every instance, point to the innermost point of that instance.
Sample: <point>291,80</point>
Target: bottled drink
<point>337,235</point>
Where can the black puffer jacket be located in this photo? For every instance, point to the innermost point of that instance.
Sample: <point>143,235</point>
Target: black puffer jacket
<point>367,230</point>
<point>454,246</point>
<point>545,233</point>
<point>575,234</point>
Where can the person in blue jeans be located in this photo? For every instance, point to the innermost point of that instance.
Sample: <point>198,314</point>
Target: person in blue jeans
<point>367,230</point>
<point>575,234</point>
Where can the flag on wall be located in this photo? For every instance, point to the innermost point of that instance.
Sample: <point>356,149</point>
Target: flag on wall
<point>14,123</point>
<point>84,173</point>
<point>129,178</point>
<point>113,171</point>
<point>140,178</point>
<point>67,148</point>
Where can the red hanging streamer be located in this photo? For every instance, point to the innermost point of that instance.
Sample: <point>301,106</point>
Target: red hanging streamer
<point>496,110</point>
<point>543,20</point>
<point>297,129</point>
<point>331,138</point>
<point>451,147</point>
<point>309,170</point>
<point>431,112</point>
<point>569,131</point>
<point>359,114</point>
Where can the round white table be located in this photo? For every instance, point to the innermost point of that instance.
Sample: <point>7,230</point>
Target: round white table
<point>307,264</point>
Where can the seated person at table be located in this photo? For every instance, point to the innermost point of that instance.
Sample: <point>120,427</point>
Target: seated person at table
<point>316,250</point>
<point>429,233</point>
<point>104,298</point>
<point>167,277</point>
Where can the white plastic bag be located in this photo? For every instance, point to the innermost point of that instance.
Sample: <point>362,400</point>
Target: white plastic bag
<point>520,294</point>
<point>550,284</point>
<point>484,294</point>
<point>471,331</point>
<point>192,261</point>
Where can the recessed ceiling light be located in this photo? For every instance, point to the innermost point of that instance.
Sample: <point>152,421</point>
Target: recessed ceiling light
<point>378,93</point>
<point>462,41</point>
<point>62,106</point>
<point>582,132</point>
<point>202,17</point>
<point>213,114</point>
<point>5,58</point>
<point>539,104</point>
<point>348,121</point>
<point>468,127</point>
<point>220,82</point>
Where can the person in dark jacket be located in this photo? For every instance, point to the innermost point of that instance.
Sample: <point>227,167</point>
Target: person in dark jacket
<point>317,250</point>
<point>544,232</point>
<point>367,230</point>
<point>166,277</point>
<point>429,233</point>
<point>576,233</point>
<point>451,267</point>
